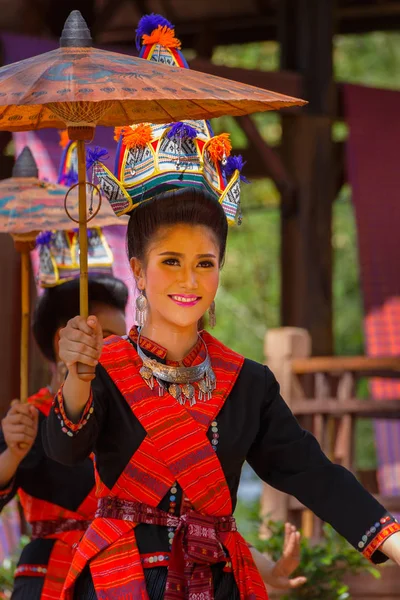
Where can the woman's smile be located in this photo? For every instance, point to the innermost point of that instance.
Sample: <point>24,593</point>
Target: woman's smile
<point>185,300</point>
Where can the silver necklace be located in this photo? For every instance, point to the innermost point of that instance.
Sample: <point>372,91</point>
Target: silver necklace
<point>178,381</point>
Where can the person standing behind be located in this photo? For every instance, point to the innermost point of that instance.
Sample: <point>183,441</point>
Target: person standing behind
<point>58,502</point>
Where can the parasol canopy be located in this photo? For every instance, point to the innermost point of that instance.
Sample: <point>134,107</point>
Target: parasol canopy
<point>79,84</point>
<point>29,204</point>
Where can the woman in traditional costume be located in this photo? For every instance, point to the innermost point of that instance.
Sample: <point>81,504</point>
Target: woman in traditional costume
<point>58,501</point>
<point>173,412</point>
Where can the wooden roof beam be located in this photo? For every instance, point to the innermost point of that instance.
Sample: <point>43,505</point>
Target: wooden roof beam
<point>284,82</point>
<point>271,161</point>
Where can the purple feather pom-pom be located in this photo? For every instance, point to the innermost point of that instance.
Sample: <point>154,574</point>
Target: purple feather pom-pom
<point>95,155</point>
<point>181,130</point>
<point>148,24</point>
<point>69,178</point>
<point>235,163</point>
<point>44,238</point>
<point>90,232</point>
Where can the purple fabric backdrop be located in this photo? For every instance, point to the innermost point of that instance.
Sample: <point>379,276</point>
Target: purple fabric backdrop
<point>374,124</point>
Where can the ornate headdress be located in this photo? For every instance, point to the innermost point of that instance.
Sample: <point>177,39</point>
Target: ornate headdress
<point>59,256</point>
<point>59,250</point>
<point>151,159</point>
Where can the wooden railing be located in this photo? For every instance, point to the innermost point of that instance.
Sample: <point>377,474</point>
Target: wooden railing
<point>322,393</point>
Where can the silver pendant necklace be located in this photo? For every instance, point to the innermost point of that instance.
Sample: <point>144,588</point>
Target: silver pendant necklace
<point>183,383</point>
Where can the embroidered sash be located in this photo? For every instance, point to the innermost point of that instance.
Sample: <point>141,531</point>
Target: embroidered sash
<point>176,448</point>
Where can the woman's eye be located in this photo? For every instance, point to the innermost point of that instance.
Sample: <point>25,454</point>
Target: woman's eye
<point>206,264</point>
<point>171,261</point>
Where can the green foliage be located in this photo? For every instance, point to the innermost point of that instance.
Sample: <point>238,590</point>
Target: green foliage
<point>324,564</point>
<point>7,568</point>
<point>369,59</point>
<point>248,299</point>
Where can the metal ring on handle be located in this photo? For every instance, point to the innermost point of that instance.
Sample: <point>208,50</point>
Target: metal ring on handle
<point>95,212</point>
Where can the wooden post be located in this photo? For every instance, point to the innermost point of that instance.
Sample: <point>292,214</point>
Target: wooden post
<point>10,328</point>
<point>280,348</point>
<point>305,32</point>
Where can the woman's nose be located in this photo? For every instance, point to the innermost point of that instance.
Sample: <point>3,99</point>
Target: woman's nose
<point>189,279</point>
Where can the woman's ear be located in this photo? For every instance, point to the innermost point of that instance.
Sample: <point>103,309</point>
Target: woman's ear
<point>138,272</point>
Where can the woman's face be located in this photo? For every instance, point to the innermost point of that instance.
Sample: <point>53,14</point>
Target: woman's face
<point>181,274</point>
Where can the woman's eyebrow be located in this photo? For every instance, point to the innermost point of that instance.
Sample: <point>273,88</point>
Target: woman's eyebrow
<point>209,255</point>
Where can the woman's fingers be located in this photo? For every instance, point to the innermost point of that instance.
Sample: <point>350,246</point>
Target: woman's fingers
<point>75,336</point>
<point>80,324</point>
<point>292,540</point>
<point>98,332</point>
<point>80,348</point>
<point>81,341</point>
<point>297,582</point>
<point>28,429</point>
<point>17,438</point>
<point>71,358</point>
<point>18,419</point>
<point>19,408</point>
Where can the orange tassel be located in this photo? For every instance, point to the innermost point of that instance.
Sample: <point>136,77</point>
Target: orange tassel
<point>118,131</point>
<point>219,147</point>
<point>137,136</point>
<point>164,36</point>
<point>64,139</point>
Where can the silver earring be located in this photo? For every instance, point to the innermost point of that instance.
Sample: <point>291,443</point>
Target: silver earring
<point>212,317</point>
<point>141,309</point>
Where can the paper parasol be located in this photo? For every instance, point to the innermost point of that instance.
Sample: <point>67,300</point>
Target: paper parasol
<point>29,205</point>
<point>79,87</point>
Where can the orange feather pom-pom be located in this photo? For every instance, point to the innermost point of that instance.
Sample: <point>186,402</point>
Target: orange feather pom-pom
<point>64,139</point>
<point>164,36</point>
<point>118,131</point>
<point>136,136</point>
<point>219,147</point>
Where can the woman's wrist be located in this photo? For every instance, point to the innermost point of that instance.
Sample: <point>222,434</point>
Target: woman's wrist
<point>263,563</point>
<point>76,394</point>
<point>391,547</point>
<point>9,463</point>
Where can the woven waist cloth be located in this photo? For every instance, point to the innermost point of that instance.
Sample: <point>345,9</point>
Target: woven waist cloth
<point>41,529</point>
<point>195,547</point>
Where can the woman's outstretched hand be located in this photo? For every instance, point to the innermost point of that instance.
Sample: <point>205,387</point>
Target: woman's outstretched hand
<point>81,341</point>
<point>289,561</point>
<point>277,575</point>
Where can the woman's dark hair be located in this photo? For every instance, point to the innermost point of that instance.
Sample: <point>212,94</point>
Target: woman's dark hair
<point>189,206</point>
<point>59,304</point>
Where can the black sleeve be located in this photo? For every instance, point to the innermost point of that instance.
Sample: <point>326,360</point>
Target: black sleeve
<point>31,461</point>
<point>69,443</point>
<point>290,459</point>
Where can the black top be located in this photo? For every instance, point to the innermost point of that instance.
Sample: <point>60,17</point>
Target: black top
<point>255,424</point>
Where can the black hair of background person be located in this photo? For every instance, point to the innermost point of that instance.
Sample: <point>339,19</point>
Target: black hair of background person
<point>60,303</point>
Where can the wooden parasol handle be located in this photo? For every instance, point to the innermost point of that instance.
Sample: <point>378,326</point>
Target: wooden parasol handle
<point>85,372</point>
<point>24,244</point>
<point>25,301</point>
